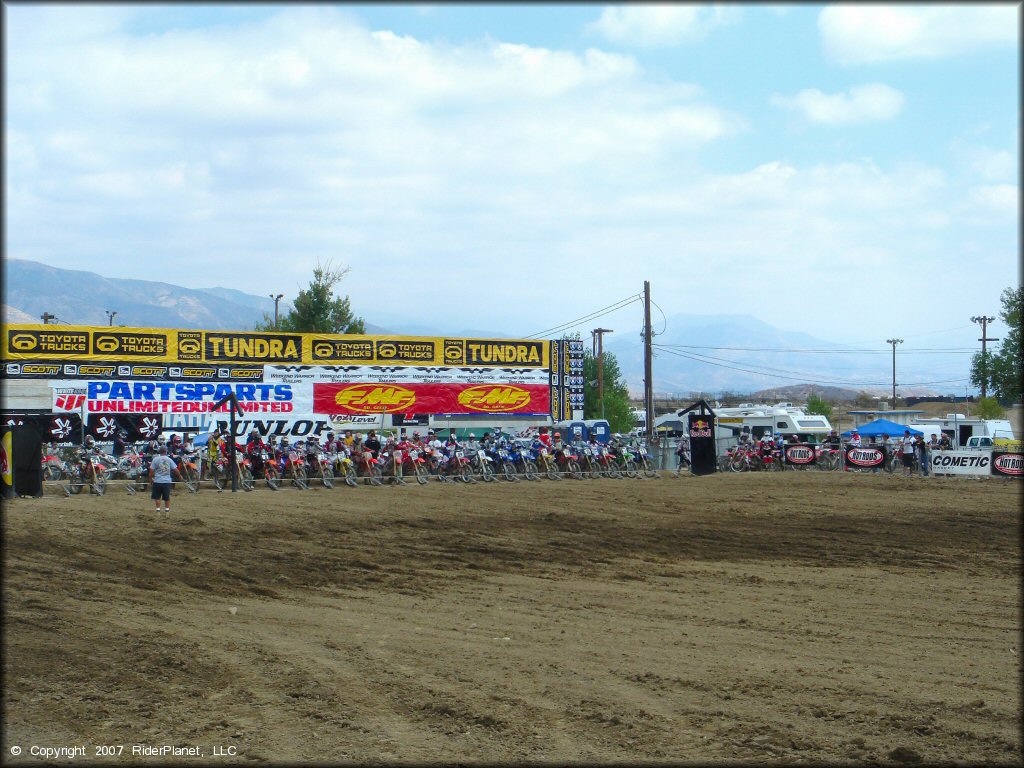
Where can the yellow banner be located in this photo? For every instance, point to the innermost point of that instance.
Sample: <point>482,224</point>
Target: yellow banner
<point>161,345</point>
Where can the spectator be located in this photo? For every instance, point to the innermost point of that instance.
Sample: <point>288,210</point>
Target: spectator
<point>944,442</point>
<point>923,454</point>
<point>907,452</point>
<point>160,471</point>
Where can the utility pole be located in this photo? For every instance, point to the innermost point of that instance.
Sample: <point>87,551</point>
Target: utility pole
<point>984,321</point>
<point>599,335</point>
<point>276,299</point>
<point>894,342</point>
<point>47,317</point>
<point>110,315</point>
<point>648,356</point>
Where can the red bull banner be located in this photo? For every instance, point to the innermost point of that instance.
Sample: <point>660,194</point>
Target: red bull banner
<point>409,397</point>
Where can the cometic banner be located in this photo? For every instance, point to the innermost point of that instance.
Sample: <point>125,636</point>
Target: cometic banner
<point>28,346</point>
<point>430,398</point>
<point>961,462</point>
<point>865,457</point>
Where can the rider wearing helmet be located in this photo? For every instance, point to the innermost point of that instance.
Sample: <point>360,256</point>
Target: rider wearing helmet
<point>372,443</point>
<point>120,443</point>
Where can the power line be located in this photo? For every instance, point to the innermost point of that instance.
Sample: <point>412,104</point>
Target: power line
<point>587,318</point>
<point>920,350</point>
<point>781,372</point>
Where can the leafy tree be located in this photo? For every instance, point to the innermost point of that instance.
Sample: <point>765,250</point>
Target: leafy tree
<point>617,408</point>
<point>989,408</point>
<point>316,309</point>
<point>1002,371</point>
<point>817,405</point>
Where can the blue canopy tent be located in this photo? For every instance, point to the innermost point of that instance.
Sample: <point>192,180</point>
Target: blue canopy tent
<point>880,427</point>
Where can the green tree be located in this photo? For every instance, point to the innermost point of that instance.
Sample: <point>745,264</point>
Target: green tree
<point>989,408</point>
<point>617,408</point>
<point>817,405</point>
<point>1003,371</point>
<point>316,309</point>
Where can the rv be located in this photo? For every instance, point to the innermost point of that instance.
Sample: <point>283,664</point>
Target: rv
<point>768,419</point>
<point>960,429</point>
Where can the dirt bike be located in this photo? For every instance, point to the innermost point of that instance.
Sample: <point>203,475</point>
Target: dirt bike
<point>606,460</point>
<point>53,467</point>
<point>414,463</point>
<point>459,467</point>
<point>345,468</point>
<point>625,462</point>
<point>521,462</point>
<point>589,463</point>
<point>480,463</point>
<point>295,470</point>
<point>505,466</point>
<point>189,471</point>
<point>319,466</point>
<point>643,462</point>
<point>265,469</point>
<point>568,462</point>
<point>86,469</point>
<point>436,464</point>
<point>367,468</point>
<point>827,458</point>
<point>132,467</point>
<point>546,464</point>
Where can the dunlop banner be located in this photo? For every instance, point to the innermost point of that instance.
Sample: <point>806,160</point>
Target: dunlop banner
<point>50,345</point>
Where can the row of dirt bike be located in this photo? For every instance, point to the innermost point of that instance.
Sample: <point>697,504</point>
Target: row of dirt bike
<point>78,469</point>
<point>753,459</point>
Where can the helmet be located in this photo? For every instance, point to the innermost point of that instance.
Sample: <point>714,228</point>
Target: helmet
<point>271,439</point>
<point>617,436</point>
<point>89,440</point>
<point>415,434</point>
<point>123,434</point>
<point>254,433</point>
<point>161,439</point>
<point>472,435</point>
<point>330,435</point>
<point>284,441</point>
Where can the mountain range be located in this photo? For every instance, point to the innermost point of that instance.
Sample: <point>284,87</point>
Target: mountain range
<point>711,354</point>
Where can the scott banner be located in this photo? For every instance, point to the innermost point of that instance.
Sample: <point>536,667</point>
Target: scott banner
<point>340,399</point>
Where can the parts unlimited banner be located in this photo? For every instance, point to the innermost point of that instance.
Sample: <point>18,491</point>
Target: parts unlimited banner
<point>50,343</point>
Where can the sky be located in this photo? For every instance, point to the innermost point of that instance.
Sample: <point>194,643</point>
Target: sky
<point>853,171</point>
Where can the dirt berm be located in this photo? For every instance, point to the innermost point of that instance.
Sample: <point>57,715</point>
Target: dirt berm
<point>794,617</point>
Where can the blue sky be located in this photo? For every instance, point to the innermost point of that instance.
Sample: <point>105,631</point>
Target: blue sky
<point>530,164</point>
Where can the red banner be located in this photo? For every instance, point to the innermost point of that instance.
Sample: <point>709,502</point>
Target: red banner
<point>335,399</point>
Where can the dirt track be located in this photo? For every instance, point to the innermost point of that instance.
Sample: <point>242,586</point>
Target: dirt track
<point>794,617</point>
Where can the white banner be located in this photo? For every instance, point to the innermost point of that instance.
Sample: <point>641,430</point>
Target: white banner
<point>394,374</point>
<point>961,462</point>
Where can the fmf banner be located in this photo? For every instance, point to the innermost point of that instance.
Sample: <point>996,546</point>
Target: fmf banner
<point>430,398</point>
<point>50,345</point>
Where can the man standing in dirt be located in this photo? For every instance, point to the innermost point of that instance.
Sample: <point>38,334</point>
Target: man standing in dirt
<point>160,471</point>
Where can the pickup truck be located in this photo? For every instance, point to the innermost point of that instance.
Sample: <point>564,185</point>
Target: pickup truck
<point>982,443</point>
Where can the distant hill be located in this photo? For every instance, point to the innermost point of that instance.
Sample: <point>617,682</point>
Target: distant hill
<point>711,354</point>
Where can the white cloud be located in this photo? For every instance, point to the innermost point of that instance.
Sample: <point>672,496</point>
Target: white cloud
<point>854,34</point>
<point>651,26</point>
<point>863,103</point>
